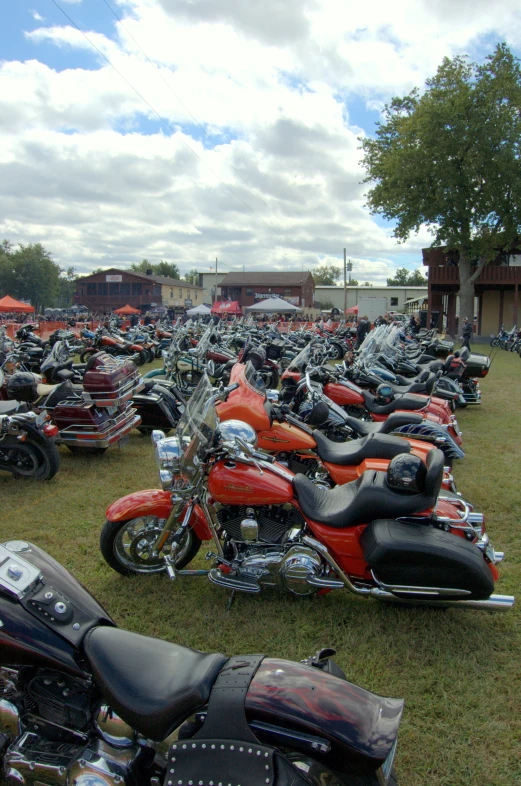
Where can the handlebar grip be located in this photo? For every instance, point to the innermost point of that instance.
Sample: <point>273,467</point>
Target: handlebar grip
<point>231,388</point>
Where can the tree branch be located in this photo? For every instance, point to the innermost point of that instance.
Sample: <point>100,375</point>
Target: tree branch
<point>481,264</point>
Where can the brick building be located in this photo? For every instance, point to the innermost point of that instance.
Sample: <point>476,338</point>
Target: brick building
<point>250,288</point>
<point>106,291</point>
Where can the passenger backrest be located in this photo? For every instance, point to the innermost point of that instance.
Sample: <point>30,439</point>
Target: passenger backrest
<point>435,465</point>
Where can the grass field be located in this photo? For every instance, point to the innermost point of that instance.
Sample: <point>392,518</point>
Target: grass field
<point>459,671</point>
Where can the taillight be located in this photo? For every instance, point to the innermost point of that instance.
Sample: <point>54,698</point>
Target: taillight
<point>50,430</point>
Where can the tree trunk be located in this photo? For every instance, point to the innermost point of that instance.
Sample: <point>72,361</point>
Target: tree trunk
<point>467,276</point>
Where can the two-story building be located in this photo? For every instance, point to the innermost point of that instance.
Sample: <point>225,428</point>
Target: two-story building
<point>178,294</point>
<point>496,290</point>
<point>250,288</point>
<point>108,290</point>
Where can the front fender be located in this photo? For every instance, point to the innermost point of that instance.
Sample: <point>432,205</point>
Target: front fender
<point>154,502</point>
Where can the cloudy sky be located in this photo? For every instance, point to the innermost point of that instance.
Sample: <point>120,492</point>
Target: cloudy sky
<point>190,129</point>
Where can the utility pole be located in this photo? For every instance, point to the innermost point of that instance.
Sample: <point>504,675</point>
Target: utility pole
<point>215,297</point>
<point>345,282</point>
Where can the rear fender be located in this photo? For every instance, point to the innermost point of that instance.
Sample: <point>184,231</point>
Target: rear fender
<point>153,502</point>
<point>360,726</point>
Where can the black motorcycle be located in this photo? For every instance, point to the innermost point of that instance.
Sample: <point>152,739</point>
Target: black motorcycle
<point>83,702</point>
<point>27,449</point>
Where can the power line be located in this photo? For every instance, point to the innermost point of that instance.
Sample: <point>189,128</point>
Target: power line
<point>187,110</point>
<point>161,118</point>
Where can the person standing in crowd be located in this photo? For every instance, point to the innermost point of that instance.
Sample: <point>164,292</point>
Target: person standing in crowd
<point>362,329</point>
<point>133,320</point>
<point>467,333</point>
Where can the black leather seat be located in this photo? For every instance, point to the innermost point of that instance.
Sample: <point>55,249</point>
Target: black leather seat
<point>91,361</point>
<point>408,401</point>
<point>152,684</point>
<point>374,446</point>
<point>395,420</point>
<point>9,407</point>
<point>63,391</point>
<point>367,498</point>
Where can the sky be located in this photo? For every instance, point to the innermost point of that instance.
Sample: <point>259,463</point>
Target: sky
<point>188,130</point>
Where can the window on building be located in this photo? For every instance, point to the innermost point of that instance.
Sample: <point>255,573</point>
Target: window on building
<point>157,289</point>
<point>124,289</point>
<point>171,293</point>
<point>287,291</point>
<point>180,293</point>
<point>91,289</point>
<point>249,290</point>
<point>394,301</point>
<point>103,288</point>
<point>195,296</point>
<point>136,289</point>
<point>113,288</point>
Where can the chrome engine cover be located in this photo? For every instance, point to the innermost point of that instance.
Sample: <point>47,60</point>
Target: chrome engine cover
<point>287,569</point>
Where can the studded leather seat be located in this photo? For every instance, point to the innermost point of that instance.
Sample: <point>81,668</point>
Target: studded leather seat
<point>408,401</point>
<point>395,420</point>
<point>152,684</point>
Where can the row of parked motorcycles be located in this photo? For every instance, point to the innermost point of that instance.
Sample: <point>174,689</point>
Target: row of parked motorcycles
<point>340,480</point>
<point>509,340</point>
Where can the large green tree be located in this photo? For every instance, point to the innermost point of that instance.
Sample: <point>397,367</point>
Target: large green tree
<point>162,268</point>
<point>29,273</point>
<point>326,275</point>
<point>404,278</point>
<point>449,159</point>
<point>192,277</point>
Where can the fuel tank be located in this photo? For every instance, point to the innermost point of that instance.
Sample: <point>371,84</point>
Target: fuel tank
<point>344,393</point>
<point>231,483</point>
<point>284,436</point>
<point>28,635</point>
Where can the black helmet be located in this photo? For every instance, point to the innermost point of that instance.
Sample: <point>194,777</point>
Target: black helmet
<point>407,473</point>
<point>384,394</point>
<point>22,386</point>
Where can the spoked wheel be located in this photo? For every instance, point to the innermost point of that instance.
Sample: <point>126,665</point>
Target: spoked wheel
<point>127,546</point>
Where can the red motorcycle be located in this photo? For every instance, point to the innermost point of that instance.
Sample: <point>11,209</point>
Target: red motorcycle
<point>381,536</point>
<point>113,345</point>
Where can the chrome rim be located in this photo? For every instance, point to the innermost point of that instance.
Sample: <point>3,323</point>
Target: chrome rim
<point>20,458</point>
<point>134,542</point>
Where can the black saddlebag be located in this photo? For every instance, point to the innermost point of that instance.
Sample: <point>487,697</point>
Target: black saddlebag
<point>419,555</point>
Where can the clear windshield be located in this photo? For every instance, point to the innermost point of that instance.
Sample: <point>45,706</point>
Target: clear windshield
<point>301,360</point>
<point>197,427</point>
<point>59,354</point>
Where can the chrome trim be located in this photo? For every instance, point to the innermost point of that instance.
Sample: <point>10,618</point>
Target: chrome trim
<point>410,590</point>
<point>383,773</point>
<point>109,436</point>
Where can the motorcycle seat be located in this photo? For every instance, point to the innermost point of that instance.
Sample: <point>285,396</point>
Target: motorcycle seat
<point>408,401</point>
<point>367,498</point>
<point>44,390</point>
<point>9,407</point>
<point>374,446</point>
<point>153,685</point>
<point>59,393</point>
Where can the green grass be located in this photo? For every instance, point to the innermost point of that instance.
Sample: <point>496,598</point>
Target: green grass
<point>459,671</point>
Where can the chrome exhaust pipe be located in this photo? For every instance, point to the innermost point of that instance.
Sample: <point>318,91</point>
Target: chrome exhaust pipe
<point>493,603</point>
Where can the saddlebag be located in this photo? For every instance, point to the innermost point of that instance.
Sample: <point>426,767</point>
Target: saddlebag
<point>419,555</point>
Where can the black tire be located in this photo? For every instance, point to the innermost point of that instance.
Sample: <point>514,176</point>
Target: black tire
<point>86,353</point>
<point>142,357</point>
<point>79,451</point>
<point>508,345</point>
<point>29,460</point>
<point>339,351</point>
<point>113,545</point>
<point>158,351</point>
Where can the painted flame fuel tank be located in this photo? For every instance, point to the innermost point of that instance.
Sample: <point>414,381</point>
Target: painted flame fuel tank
<point>231,483</point>
<point>284,436</point>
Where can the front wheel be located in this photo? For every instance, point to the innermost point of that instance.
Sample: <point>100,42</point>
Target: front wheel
<point>270,377</point>
<point>494,342</point>
<point>127,546</point>
<point>86,353</point>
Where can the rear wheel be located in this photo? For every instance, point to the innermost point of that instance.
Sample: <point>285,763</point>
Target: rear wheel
<point>28,460</point>
<point>127,546</point>
<point>86,353</point>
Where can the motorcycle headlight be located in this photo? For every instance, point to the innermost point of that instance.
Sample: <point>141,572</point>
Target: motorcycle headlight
<point>168,455</point>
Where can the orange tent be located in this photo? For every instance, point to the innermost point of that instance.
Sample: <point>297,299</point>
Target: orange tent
<point>8,305</point>
<point>127,310</point>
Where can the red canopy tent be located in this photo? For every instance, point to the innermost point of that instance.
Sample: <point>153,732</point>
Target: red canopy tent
<point>127,310</point>
<point>352,310</point>
<point>10,305</point>
<point>227,307</point>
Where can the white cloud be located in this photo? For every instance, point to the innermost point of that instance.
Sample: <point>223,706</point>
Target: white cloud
<point>37,16</point>
<point>85,170</point>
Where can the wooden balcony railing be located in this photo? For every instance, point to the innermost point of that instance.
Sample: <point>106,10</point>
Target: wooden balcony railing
<point>491,274</point>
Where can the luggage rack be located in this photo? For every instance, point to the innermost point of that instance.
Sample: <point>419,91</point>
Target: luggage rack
<point>116,391</point>
<point>110,432</point>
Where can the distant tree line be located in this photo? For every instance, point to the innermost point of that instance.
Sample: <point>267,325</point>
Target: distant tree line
<point>329,275</point>
<point>28,272</point>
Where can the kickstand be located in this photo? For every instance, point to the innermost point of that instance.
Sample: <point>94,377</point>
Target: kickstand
<point>230,601</point>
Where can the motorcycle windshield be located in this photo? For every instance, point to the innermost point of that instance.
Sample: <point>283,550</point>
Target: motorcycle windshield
<point>58,355</point>
<point>197,427</point>
<point>301,360</point>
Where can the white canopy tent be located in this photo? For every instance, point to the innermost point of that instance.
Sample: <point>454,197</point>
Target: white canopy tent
<point>201,309</point>
<point>274,305</point>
